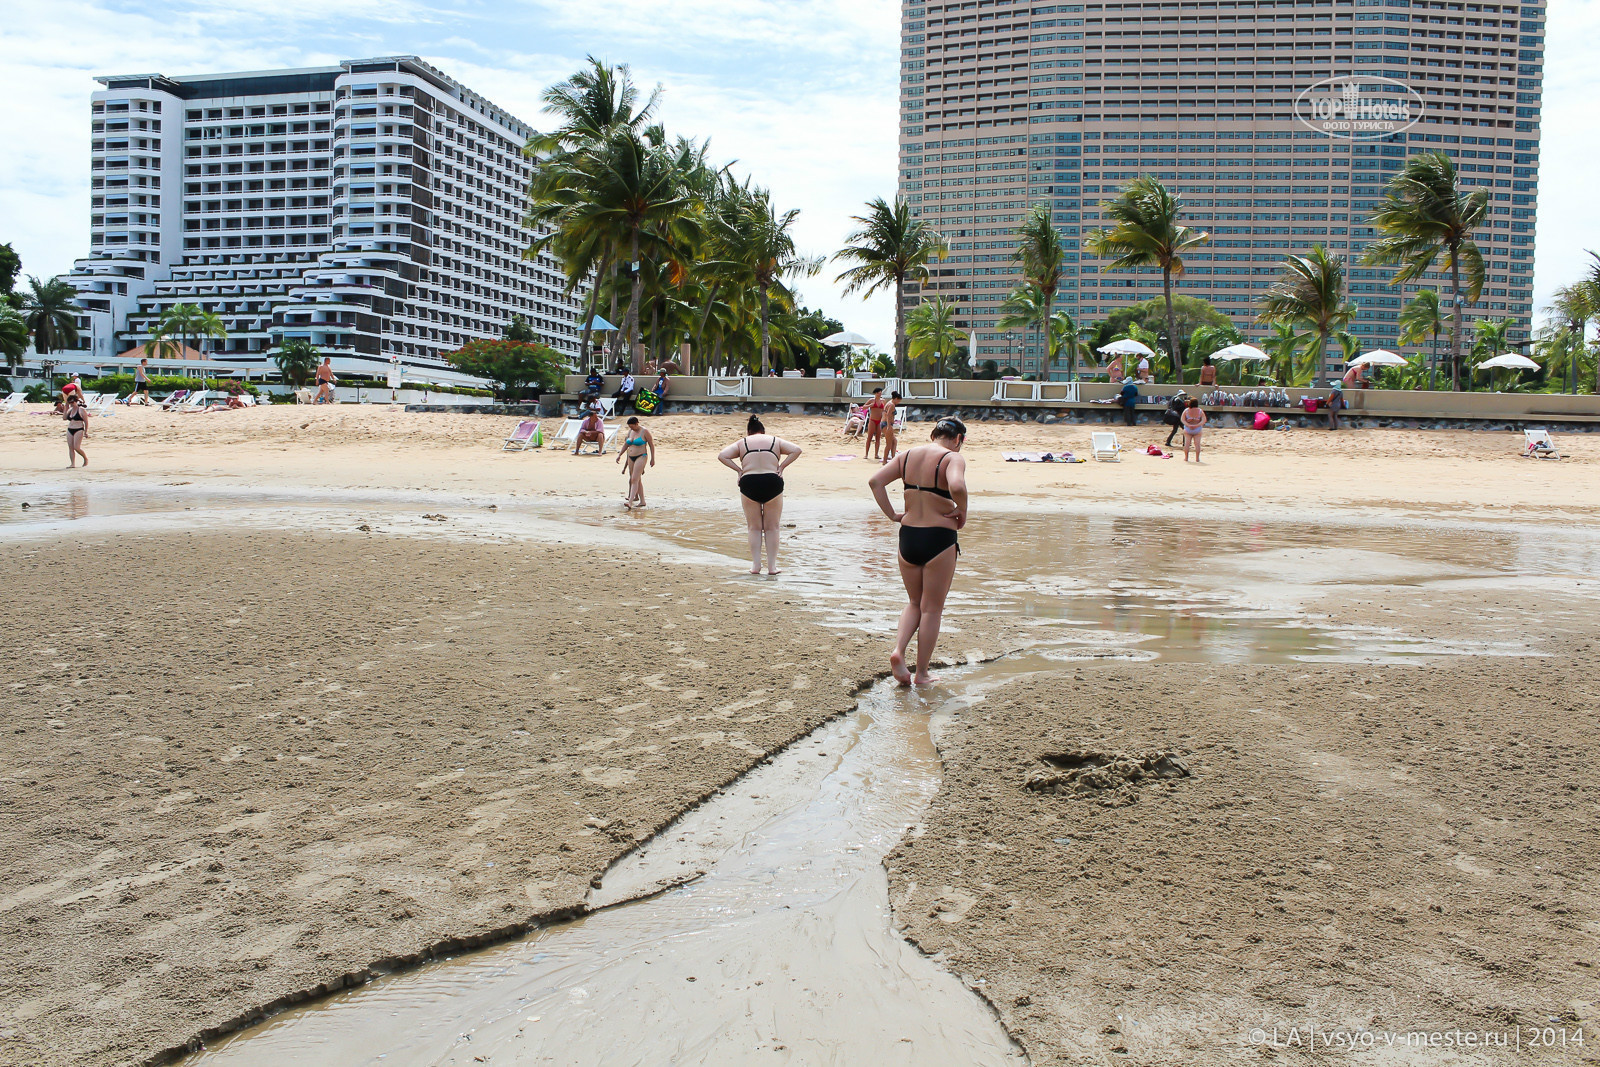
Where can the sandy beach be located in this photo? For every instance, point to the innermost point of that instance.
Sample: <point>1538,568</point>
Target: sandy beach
<point>386,693</point>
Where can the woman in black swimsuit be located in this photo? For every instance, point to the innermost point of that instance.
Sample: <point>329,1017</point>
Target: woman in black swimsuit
<point>760,459</point>
<point>76,412</point>
<point>935,479</point>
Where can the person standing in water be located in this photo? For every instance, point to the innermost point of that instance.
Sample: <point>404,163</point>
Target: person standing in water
<point>935,480</point>
<point>76,412</point>
<point>637,447</point>
<point>760,458</point>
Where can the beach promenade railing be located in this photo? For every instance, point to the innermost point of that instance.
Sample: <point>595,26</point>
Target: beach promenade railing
<point>827,393</point>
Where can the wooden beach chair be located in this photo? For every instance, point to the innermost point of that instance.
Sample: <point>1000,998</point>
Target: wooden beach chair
<point>1537,443</point>
<point>1103,446</point>
<point>522,438</point>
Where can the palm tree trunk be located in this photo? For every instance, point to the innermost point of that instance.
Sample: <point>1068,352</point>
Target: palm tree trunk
<point>1433,364</point>
<point>766,358</point>
<point>1455,322</point>
<point>716,353</point>
<point>588,323</point>
<point>616,269</point>
<point>655,330</point>
<point>633,309</point>
<point>899,325</point>
<point>1172,321</point>
<point>705,316</point>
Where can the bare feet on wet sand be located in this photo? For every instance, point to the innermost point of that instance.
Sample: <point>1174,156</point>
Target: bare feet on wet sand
<point>924,678</point>
<point>897,667</point>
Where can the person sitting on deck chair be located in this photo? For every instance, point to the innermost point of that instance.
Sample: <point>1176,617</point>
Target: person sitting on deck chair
<point>592,428</point>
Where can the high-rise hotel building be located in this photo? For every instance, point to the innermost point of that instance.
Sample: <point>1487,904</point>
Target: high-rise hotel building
<point>374,208</point>
<point>1007,104</point>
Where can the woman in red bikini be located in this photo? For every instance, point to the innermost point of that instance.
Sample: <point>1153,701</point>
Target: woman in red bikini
<point>935,480</point>
<point>875,422</point>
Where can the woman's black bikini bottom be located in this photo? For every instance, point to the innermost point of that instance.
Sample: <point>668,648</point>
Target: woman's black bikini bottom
<point>761,487</point>
<point>919,545</point>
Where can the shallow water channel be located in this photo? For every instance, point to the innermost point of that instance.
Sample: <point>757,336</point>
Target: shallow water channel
<point>773,939</point>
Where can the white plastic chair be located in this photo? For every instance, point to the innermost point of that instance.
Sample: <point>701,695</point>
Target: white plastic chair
<point>10,403</point>
<point>1538,443</point>
<point>1103,446</point>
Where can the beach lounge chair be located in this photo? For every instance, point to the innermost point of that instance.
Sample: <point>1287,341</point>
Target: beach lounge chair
<point>1537,443</point>
<point>195,401</point>
<point>176,397</point>
<point>566,433</point>
<point>1103,446</point>
<point>899,418</point>
<point>522,438</point>
<point>608,406</point>
<point>10,403</point>
<point>304,395</point>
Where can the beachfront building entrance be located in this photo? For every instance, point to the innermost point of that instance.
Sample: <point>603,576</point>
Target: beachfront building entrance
<point>373,207</point>
<point>1005,105</point>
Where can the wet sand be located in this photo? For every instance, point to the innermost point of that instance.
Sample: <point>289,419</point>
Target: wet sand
<point>255,749</point>
<point>241,766</point>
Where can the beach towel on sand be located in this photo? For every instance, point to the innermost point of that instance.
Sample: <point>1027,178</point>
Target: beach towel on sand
<point>644,401</point>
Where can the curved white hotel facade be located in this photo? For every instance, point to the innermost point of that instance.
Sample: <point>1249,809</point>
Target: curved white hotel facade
<point>374,208</point>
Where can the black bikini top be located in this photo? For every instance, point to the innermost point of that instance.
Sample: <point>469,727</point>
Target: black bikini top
<point>934,488</point>
<point>772,446</point>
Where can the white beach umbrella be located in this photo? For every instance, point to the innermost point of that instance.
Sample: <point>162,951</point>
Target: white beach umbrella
<point>845,337</point>
<point>1126,347</point>
<point>1240,352</point>
<point>1508,361</point>
<point>1379,357</point>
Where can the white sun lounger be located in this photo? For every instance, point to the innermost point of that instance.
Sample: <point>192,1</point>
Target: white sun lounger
<point>176,397</point>
<point>1103,446</point>
<point>1538,443</point>
<point>608,406</point>
<point>11,403</point>
<point>522,438</point>
<point>899,419</point>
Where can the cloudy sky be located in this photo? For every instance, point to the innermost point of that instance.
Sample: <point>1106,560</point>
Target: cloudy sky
<point>801,93</point>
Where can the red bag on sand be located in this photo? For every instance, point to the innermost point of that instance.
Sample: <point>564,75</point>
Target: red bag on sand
<point>1263,420</point>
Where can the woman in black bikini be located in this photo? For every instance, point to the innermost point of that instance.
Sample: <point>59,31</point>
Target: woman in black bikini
<point>760,459</point>
<point>76,412</point>
<point>935,478</point>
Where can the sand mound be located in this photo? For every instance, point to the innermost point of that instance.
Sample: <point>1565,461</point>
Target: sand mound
<point>1110,778</point>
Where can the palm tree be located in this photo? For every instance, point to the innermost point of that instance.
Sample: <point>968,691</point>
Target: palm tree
<point>1027,308</point>
<point>1563,343</point>
<point>13,334</point>
<point>297,360</point>
<point>931,331</point>
<point>1147,234</point>
<point>52,314</point>
<point>889,247</point>
<point>1310,294</point>
<point>1423,317</point>
<point>1208,338</point>
<point>1283,348</point>
<point>1039,255</point>
<point>761,253</point>
<point>184,321</point>
<point>1067,336</point>
<point>1424,216</point>
<point>1593,283</point>
<point>1489,340</point>
<point>592,104</point>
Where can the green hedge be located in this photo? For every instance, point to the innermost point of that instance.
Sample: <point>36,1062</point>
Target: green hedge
<point>122,384</point>
<point>371,383</point>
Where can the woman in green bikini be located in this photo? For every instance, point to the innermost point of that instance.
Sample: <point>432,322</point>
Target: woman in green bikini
<point>637,447</point>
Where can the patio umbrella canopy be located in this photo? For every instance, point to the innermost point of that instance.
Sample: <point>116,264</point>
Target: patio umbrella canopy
<point>845,337</point>
<point>1508,361</point>
<point>598,323</point>
<point>1126,347</point>
<point>1380,357</point>
<point>1240,352</point>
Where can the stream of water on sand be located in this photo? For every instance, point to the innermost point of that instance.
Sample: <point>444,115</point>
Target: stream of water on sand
<point>775,941</point>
